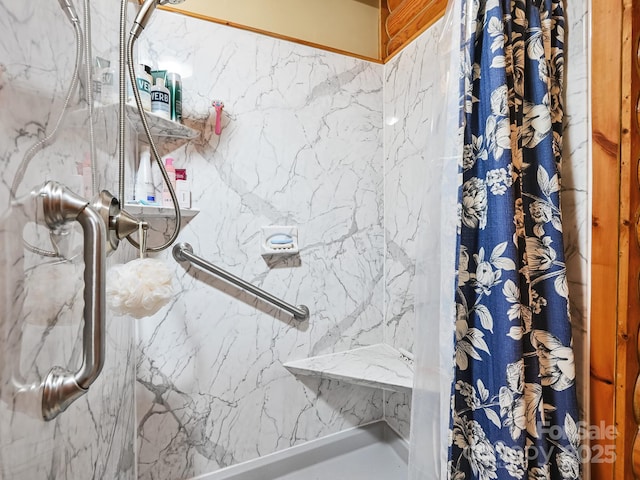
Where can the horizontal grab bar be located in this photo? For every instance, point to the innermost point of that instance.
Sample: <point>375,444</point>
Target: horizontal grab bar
<point>183,252</point>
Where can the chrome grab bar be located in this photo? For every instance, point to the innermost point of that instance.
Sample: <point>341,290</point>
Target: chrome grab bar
<point>183,252</point>
<point>62,387</point>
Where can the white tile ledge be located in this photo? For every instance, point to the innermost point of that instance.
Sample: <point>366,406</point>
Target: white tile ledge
<point>157,211</point>
<point>377,366</point>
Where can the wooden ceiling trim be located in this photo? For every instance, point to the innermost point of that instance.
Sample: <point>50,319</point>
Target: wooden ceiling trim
<point>393,4</point>
<point>406,12</point>
<point>409,19</point>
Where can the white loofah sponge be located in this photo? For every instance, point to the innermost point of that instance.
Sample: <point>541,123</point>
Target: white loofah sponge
<point>139,288</point>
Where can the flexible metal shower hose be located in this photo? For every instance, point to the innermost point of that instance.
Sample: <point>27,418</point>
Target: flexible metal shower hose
<point>88,57</point>
<point>24,164</point>
<point>28,157</point>
<point>122,98</point>
<point>156,155</point>
<point>124,55</point>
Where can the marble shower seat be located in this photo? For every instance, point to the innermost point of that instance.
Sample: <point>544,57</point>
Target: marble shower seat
<point>377,366</point>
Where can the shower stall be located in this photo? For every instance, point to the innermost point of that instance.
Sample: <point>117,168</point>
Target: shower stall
<point>220,384</point>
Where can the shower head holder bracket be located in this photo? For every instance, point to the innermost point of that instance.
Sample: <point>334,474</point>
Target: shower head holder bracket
<point>120,224</point>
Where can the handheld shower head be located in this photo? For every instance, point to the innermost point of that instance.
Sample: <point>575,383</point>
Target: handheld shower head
<point>145,13</point>
<point>69,10</point>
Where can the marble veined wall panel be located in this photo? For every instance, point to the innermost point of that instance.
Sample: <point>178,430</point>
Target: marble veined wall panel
<point>301,145</point>
<point>577,193</point>
<point>408,98</point>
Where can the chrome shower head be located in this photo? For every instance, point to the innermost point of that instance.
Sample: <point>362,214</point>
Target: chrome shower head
<point>69,10</point>
<point>145,14</point>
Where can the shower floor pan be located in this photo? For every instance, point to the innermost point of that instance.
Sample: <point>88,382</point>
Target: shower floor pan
<point>372,452</point>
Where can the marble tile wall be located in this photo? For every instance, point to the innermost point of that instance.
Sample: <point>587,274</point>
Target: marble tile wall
<point>576,192</point>
<point>301,145</point>
<point>41,298</point>
<point>408,97</point>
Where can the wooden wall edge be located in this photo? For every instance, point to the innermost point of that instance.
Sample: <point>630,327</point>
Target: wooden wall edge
<point>433,12</point>
<point>606,97</point>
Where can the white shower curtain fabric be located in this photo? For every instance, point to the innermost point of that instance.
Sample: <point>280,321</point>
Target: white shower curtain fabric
<point>435,269</point>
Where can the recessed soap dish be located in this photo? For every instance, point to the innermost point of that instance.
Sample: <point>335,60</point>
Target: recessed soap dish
<point>279,240</point>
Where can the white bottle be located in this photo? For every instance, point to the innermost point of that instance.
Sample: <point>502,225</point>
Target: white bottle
<point>171,171</point>
<point>144,191</point>
<point>182,188</point>
<point>144,80</point>
<point>160,100</point>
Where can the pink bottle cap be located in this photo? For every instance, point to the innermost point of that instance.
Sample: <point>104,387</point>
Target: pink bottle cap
<point>168,161</point>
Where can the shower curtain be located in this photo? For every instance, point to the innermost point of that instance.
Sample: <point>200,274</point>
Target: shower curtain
<point>513,407</point>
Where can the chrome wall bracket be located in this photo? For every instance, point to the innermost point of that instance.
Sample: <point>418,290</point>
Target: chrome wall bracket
<point>59,390</point>
<point>119,222</point>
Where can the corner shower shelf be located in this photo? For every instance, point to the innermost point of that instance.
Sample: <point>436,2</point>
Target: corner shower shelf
<point>152,211</point>
<point>377,366</point>
<point>159,126</point>
<point>106,116</point>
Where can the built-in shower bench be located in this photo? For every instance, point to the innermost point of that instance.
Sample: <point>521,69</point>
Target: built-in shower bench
<point>377,366</point>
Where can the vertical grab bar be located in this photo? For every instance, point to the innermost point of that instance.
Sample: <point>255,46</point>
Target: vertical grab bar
<point>62,387</point>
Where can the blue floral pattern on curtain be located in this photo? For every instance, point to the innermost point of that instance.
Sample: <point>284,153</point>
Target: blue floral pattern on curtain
<point>514,409</point>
